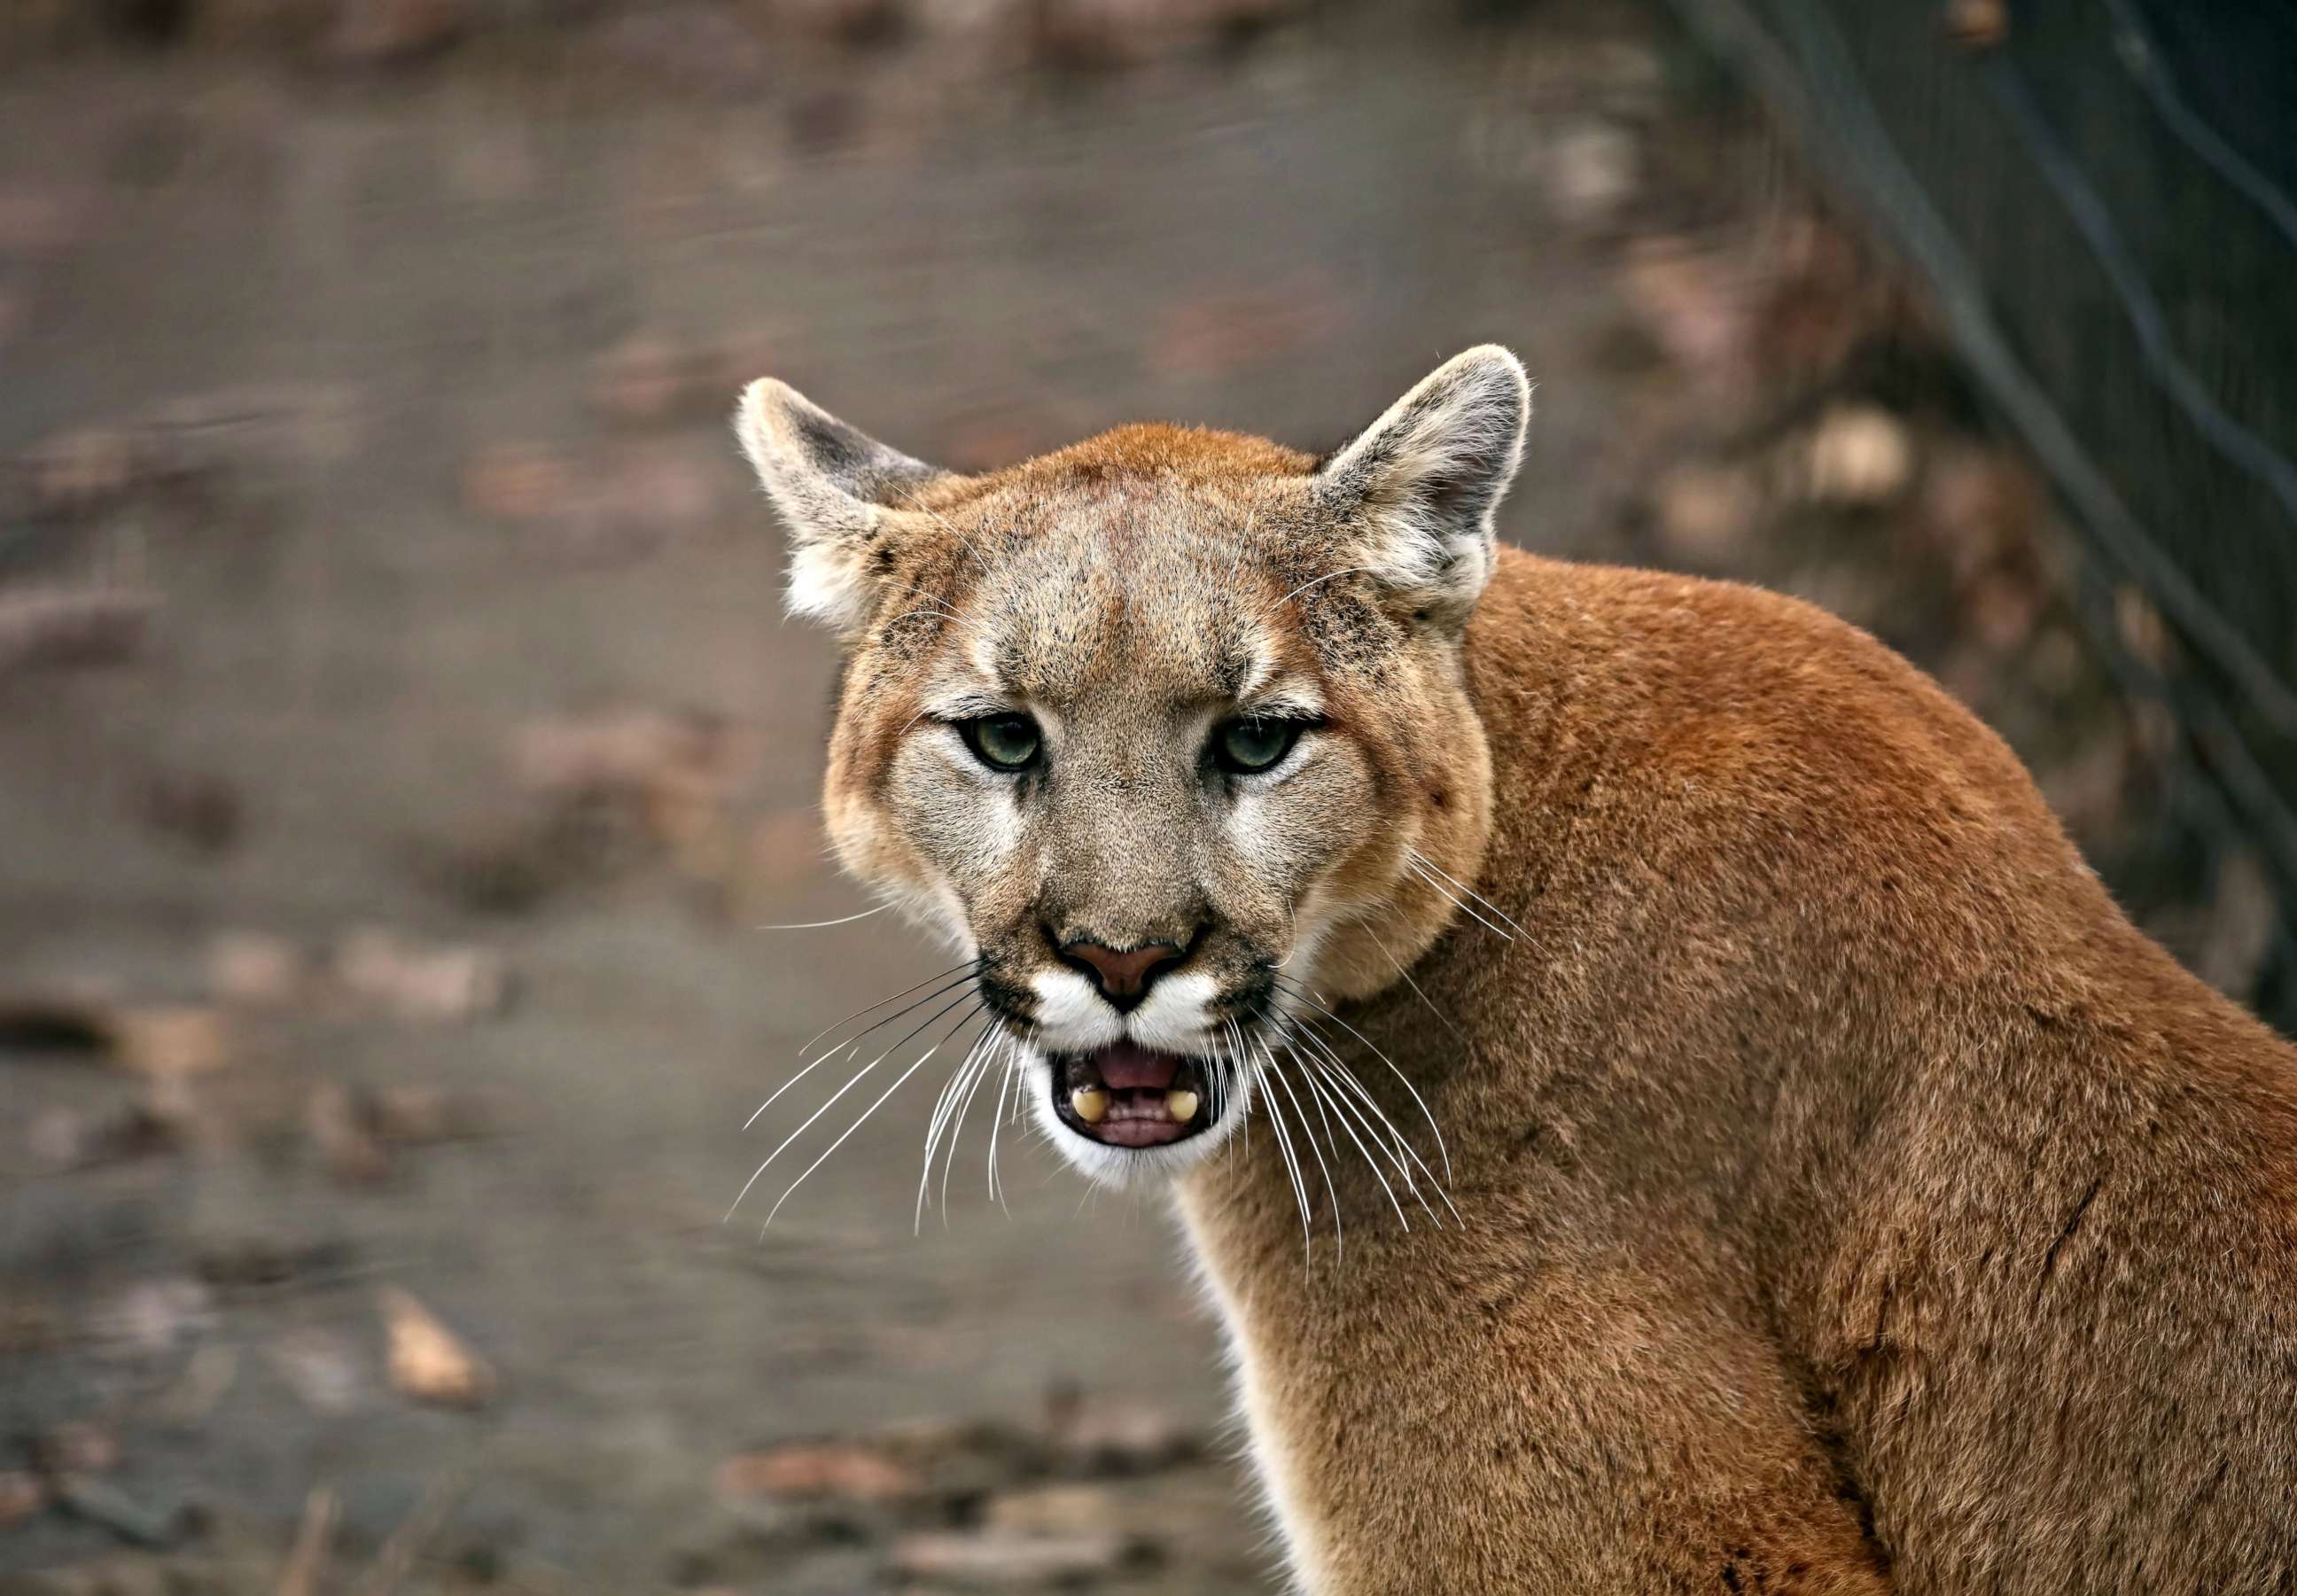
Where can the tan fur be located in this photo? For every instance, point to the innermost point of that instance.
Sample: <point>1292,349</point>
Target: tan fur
<point>1850,1198</point>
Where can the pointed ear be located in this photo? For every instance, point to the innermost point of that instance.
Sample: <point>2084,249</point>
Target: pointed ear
<point>1424,480</point>
<point>832,484</point>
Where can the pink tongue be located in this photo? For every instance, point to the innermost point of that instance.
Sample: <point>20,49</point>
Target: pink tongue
<point>1125,1066</point>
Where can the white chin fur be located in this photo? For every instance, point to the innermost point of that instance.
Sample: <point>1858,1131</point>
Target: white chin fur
<point>1127,1166</point>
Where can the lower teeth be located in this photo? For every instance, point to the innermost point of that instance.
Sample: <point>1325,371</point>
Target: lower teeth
<point>1090,1103</point>
<point>1181,1105</point>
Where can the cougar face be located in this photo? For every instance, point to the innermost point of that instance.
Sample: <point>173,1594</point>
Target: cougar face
<point>1165,730</point>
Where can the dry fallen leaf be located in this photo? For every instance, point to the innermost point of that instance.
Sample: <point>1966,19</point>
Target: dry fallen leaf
<point>831,1469</point>
<point>1002,1561</point>
<point>255,968</point>
<point>22,1493</point>
<point>343,1125</point>
<point>438,984</point>
<point>171,1042</point>
<point>428,1362</point>
<point>307,1563</point>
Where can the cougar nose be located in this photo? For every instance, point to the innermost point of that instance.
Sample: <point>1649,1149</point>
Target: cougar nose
<point>1123,977</point>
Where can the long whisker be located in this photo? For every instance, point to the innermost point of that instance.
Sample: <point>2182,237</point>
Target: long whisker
<point>852,1044</point>
<point>1292,1168</point>
<point>972,1089</point>
<point>950,1088</point>
<point>1428,864</point>
<point>1320,1083</point>
<point>840,1092</point>
<point>1369,1160</point>
<point>898,1081</point>
<point>1339,1234</point>
<point>1304,995</point>
<point>1335,1068</point>
<point>819,924</point>
<point>1458,903</point>
<point>942,975</point>
<point>1004,1084</point>
<point>1389,954</point>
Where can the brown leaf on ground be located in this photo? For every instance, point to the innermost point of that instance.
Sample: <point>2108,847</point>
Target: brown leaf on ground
<point>427,1361</point>
<point>447,985</point>
<point>1115,1435</point>
<point>256,969</point>
<point>202,811</point>
<point>413,1114</point>
<point>77,1448</point>
<point>830,1469</point>
<point>343,1125</point>
<point>675,772</point>
<point>22,1493</point>
<point>64,1139</point>
<point>79,473</point>
<point>172,1042</point>
<point>1003,1561</point>
<point>370,33</point>
<point>307,1561</point>
<point>518,482</point>
<point>646,377</point>
<point>58,627</point>
<point>1063,1509</point>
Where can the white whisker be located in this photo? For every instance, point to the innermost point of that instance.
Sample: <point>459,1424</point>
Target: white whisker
<point>819,924</point>
<point>1371,1162</point>
<point>848,1132</point>
<point>1495,909</point>
<point>1454,900</point>
<point>840,1091</point>
<point>1436,1130</point>
<point>1339,1235</point>
<point>1292,1168</point>
<point>1004,1084</point>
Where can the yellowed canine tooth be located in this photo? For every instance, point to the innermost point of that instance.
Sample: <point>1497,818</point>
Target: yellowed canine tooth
<point>1181,1105</point>
<point>1090,1103</point>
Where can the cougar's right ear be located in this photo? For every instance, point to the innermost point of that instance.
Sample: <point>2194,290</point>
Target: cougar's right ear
<point>841,492</point>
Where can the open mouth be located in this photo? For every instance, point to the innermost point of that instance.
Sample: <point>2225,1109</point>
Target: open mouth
<point>1127,1095</point>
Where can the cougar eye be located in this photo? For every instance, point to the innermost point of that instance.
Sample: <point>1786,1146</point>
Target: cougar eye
<point>1244,745</point>
<point>1002,742</point>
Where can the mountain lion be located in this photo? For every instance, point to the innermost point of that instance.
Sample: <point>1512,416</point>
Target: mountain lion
<point>1688,1119</point>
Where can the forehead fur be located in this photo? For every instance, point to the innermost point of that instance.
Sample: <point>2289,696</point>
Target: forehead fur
<point>1150,557</point>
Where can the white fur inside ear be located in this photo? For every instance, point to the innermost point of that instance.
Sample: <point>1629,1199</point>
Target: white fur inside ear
<point>1428,477</point>
<point>831,483</point>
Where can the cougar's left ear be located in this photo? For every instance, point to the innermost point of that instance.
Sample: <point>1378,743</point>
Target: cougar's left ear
<point>1425,479</point>
<point>842,493</point>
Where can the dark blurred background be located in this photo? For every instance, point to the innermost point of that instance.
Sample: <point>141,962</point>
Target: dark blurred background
<point>401,746</point>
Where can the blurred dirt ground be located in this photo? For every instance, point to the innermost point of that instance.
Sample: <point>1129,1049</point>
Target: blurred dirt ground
<point>399,745</point>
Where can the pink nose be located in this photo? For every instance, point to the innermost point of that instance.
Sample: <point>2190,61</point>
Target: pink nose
<point>1122,978</point>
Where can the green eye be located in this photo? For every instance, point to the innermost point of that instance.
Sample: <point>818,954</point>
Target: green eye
<point>1002,742</point>
<point>1243,745</point>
